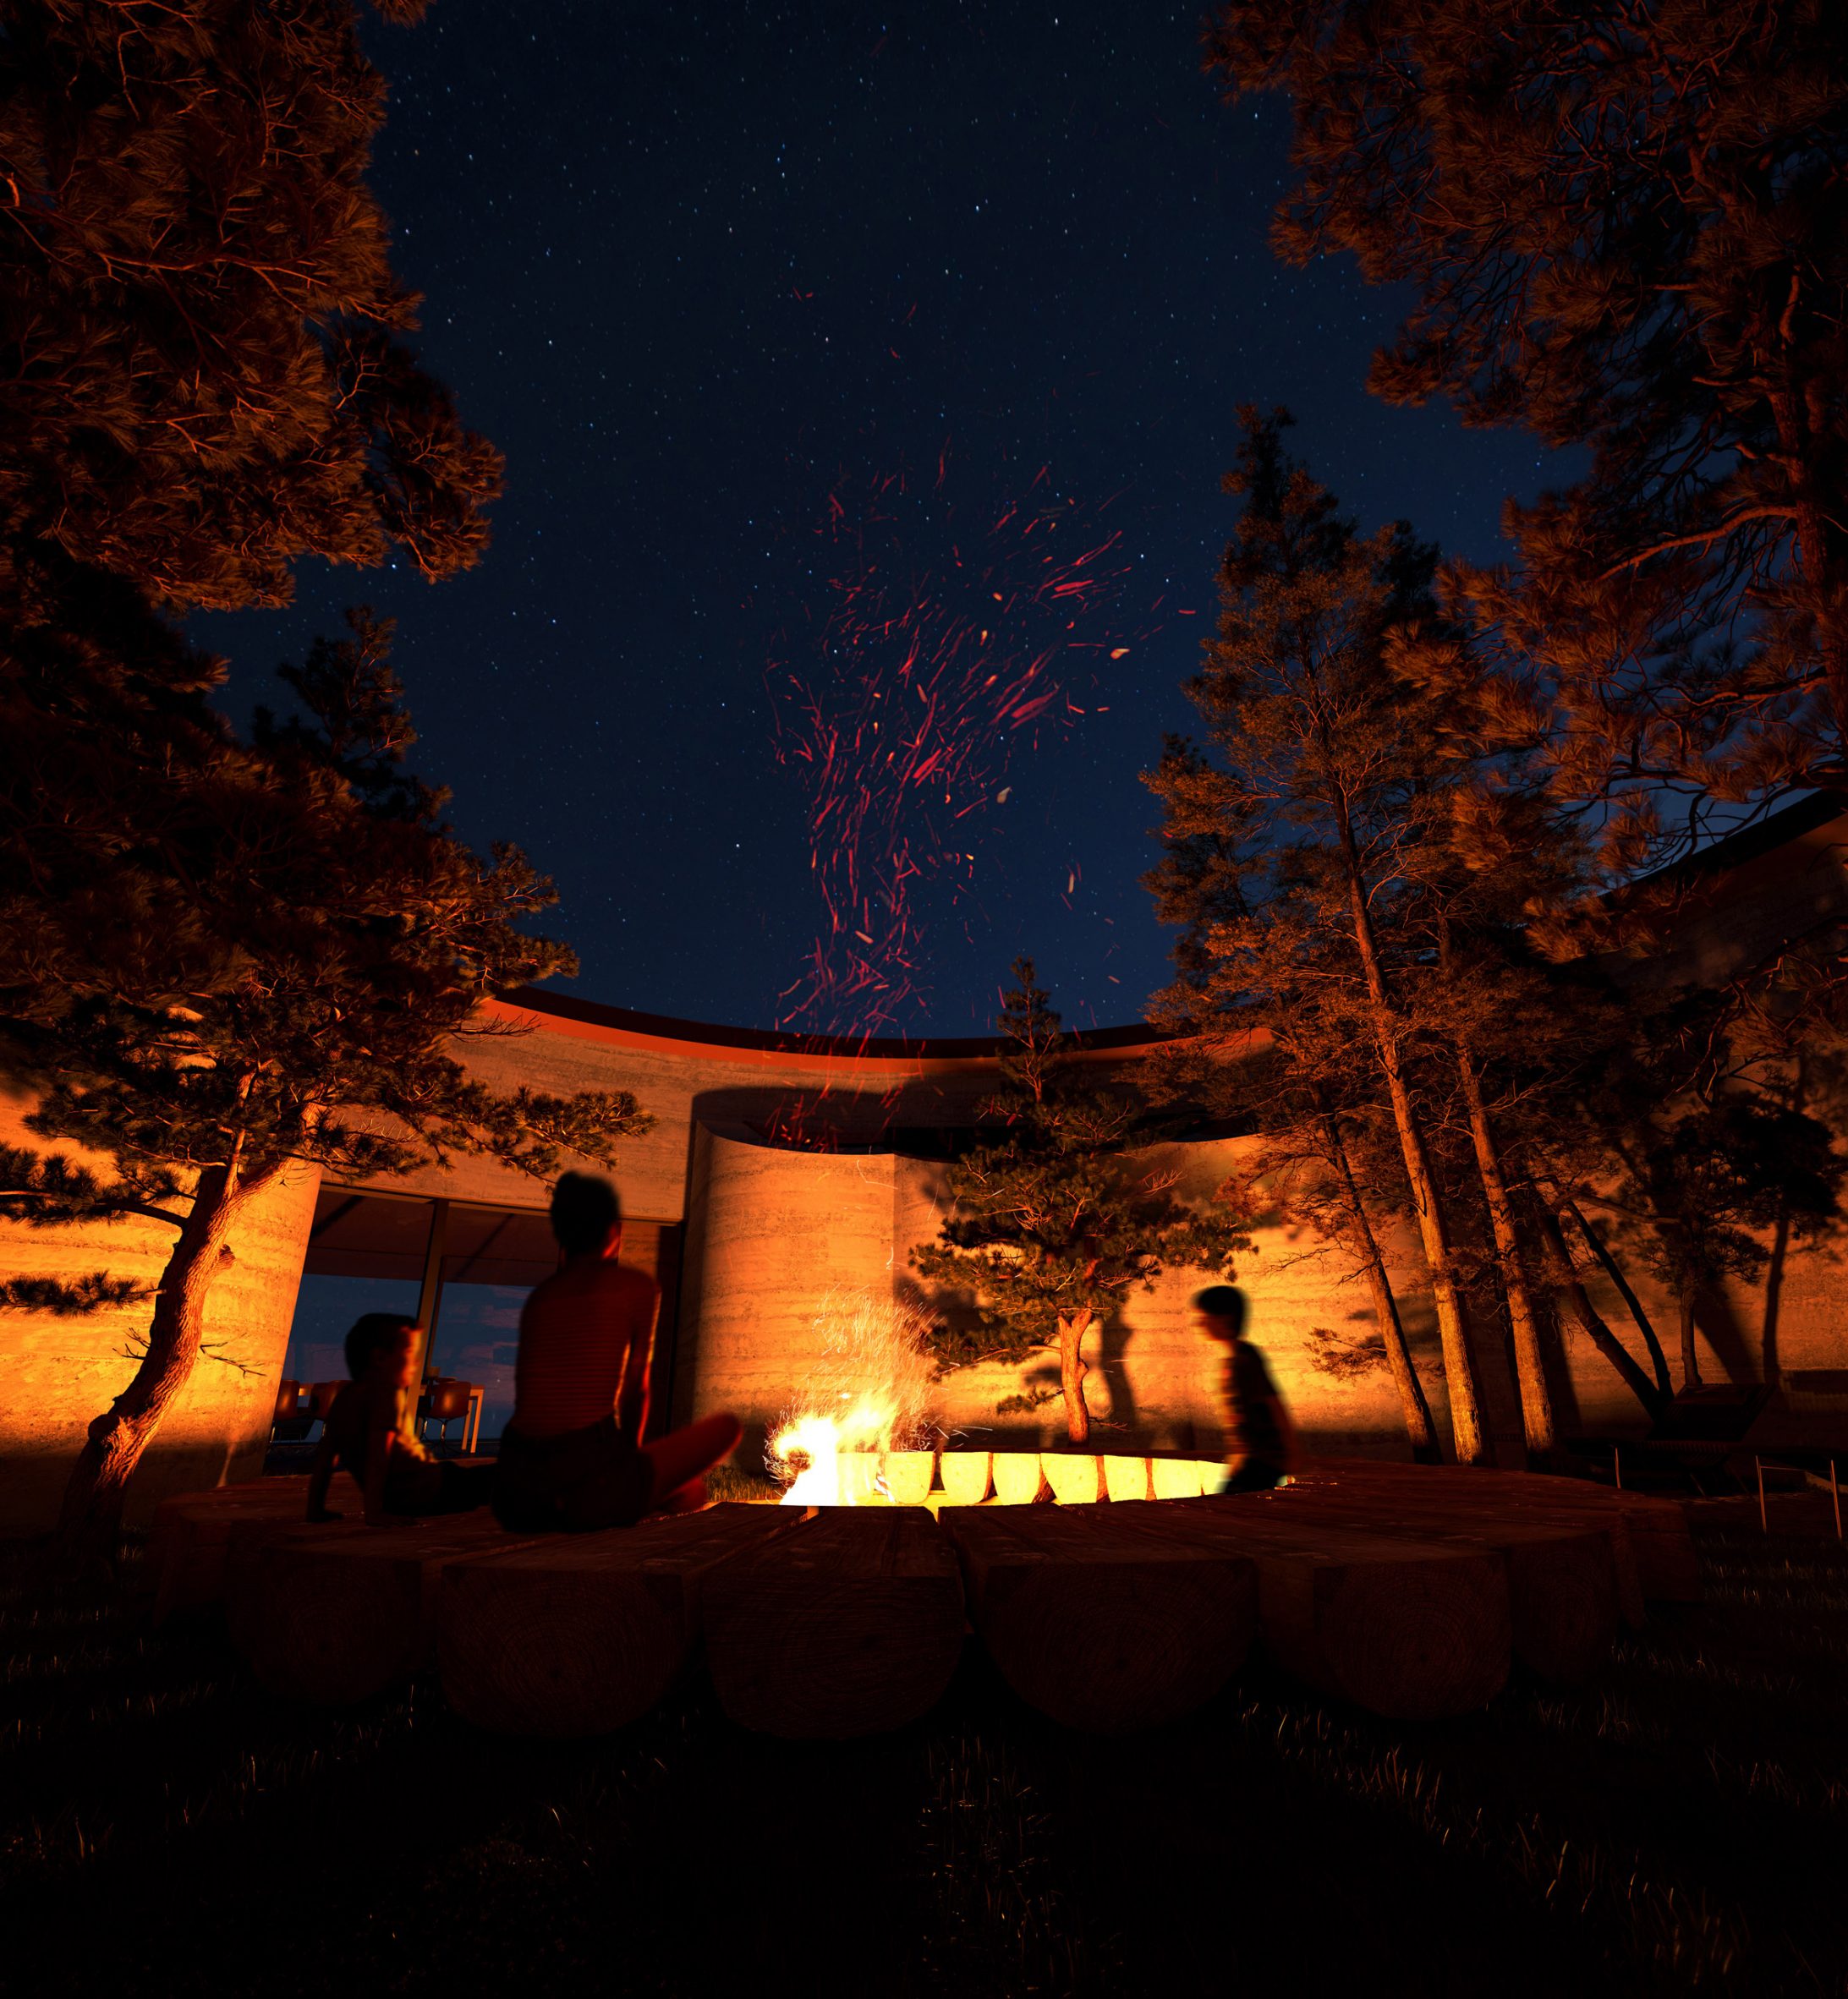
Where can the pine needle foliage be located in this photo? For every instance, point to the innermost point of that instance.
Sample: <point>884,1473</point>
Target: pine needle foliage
<point>1624,225</point>
<point>205,375</point>
<point>243,957</point>
<point>1291,839</point>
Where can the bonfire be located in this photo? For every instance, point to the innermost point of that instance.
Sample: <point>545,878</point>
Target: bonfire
<point>859,1432</point>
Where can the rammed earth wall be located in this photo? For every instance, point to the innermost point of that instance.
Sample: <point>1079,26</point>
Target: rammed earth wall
<point>771,1231</point>
<point>57,1374</point>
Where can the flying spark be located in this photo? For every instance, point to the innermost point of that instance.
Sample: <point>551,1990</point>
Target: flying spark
<point>902,696</point>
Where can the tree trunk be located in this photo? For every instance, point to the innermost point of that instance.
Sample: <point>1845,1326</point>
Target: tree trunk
<point>1632,1303</point>
<point>1419,1428</point>
<point>1822,555</point>
<point>1690,1366</point>
<point>1072,1370</point>
<point>1434,1231</point>
<point>1530,1367</point>
<point>91,1515</point>
<point>1585,1313</point>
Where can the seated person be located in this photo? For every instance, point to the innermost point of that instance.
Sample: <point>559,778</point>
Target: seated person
<point>572,1455</point>
<point>369,1429</point>
<point>1260,1439</point>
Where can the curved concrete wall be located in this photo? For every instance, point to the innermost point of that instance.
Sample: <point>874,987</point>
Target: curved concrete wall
<point>771,1233</point>
<point>59,1374</point>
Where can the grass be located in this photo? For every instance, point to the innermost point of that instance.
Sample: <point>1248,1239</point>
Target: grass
<point>1680,1826</point>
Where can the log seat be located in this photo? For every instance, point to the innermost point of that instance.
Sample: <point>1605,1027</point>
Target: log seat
<point>1667,1567</point>
<point>579,1633</point>
<point>1405,1589</point>
<point>1099,1627</point>
<point>1411,1630</point>
<point>192,1533</point>
<point>849,1624</point>
<point>337,1613</point>
<point>1563,1573</point>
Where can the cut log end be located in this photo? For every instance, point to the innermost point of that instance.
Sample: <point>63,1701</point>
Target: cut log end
<point>850,1625</point>
<point>555,1653</point>
<point>1564,1599</point>
<point>315,1627</point>
<point>1419,1640</point>
<point>1099,1632</point>
<point>579,1634</point>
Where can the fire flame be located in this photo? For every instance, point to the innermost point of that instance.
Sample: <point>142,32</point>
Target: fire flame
<point>868,1396</point>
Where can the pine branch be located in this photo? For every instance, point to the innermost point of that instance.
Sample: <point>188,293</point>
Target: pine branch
<point>48,1189</point>
<point>136,1350</point>
<point>73,1298</point>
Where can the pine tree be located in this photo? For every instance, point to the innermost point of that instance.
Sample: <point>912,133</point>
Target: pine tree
<point>203,376</point>
<point>1322,783</point>
<point>1706,1150</point>
<point>1625,226</point>
<point>1054,1221</point>
<point>1314,1109</point>
<point>219,958</point>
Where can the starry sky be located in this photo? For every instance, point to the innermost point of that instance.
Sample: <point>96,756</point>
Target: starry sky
<point>777,309</point>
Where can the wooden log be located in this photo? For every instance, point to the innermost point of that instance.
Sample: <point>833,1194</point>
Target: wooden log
<point>1126,1478</point>
<point>1454,1507</point>
<point>1562,1575</point>
<point>1668,1569</point>
<point>1175,1478</point>
<point>1019,1479</point>
<point>1099,1629</point>
<point>337,1614</point>
<point>1076,1480</point>
<point>964,1475</point>
<point>1414,1631</point>
<point>579,1634</point>
<point>909,1475</point>
<point>849,1625</point>
<point>192,1532</point>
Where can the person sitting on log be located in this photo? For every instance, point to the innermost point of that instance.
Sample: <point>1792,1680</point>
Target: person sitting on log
<point>1260,1438</point>
<point>573,1456</point>
<point>370,1429</point>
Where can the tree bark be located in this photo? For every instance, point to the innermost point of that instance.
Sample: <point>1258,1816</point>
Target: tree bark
<point>1632,1303</point>
<point>1433,1230</point>
<point>1073,1370</point>
<point>1530,1367</point>
<point>1690,1366</point>
<point>1419,1428</point>
<point>1821,557</point>
<point>1578,1303</point>
<point>91,1515</point>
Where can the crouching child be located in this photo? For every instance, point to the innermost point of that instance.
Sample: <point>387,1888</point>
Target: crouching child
<point>371,1432</point>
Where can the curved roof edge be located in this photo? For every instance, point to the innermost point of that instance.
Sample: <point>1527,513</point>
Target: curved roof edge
<point>705,1033</point>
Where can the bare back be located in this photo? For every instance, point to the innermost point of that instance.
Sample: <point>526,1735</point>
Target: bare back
<point>583,1334</point>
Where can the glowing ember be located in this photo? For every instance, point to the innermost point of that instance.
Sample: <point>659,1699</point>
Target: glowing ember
<point>868,1396</point>
<point>952,630</point>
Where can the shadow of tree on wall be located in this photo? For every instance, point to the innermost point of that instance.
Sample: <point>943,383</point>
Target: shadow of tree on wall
<point>1112,1363</point>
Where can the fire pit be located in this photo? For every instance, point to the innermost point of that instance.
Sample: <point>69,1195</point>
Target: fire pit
<point>860,1434</point>
<point>826,1475</point>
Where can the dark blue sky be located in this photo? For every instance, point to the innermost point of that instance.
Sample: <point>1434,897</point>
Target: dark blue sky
<point>693,268</point>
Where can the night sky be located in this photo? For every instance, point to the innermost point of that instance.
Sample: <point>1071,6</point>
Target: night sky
<point>775,312</point>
